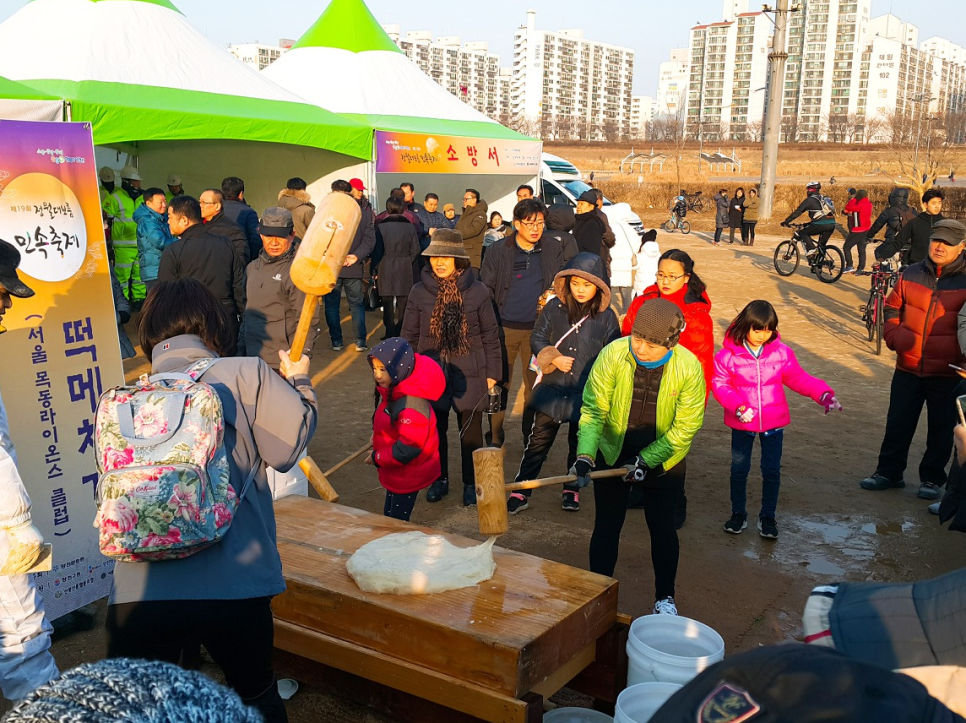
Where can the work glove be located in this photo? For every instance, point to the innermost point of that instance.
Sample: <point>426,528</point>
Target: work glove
<point>785,224</point>
<point>745,414</point>
<point>637,470</point>
<point>830,403</point>
<point>582,468</point>
<point>26,544</point>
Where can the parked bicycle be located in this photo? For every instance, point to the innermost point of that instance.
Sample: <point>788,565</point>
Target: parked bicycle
<point>695,201</point>
<point>827,262</point>
<point>677,223</point>
<point>873,313</point>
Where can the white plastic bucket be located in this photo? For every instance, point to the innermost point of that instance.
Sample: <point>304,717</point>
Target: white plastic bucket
<point>637,703</point>
<point>576,715</point>
<point>670,649</point>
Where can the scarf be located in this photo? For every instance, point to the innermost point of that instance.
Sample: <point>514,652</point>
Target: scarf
<point>447,325</point>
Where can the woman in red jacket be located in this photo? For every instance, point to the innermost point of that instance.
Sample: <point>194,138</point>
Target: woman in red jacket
<point>859,212</point>
<point>677,282</point>
<point>405,443</point>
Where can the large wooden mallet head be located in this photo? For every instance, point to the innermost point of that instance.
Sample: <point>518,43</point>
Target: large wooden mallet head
<point>490,491</point>
<point>318,261</point>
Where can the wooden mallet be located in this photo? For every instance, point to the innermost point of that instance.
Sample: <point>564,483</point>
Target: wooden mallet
<point>320,479</point>
<point>491,490</point>
<point>315,270</point>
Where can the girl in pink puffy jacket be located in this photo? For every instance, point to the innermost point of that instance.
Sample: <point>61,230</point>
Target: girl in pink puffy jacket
<point>750,376</point>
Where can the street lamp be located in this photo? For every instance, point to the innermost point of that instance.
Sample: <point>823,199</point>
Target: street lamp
<point>919,100</point>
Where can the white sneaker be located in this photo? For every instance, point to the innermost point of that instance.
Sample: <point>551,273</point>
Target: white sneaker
<point>848,270</point>
<point>665,607</point>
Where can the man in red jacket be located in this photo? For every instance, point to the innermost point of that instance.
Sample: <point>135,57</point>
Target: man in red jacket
<point>921,327</point>
<point>859,212</point>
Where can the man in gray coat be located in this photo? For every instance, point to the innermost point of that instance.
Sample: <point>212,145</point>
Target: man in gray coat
<point>274,302</point>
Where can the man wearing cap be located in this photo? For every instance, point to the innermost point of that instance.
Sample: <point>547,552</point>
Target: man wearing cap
<point>274,302</point>
<point>295,197</point>
<point>120,206</point>
<point>921,327</point>
<point>174,187</point>
<point>350,278</point>
<point>25,659</point>
<point>217,223</point>
<point>153,233</point>
<point>206,257</point>
<point>449,213</point>
<point>238,210</point>
<point>643,405</point>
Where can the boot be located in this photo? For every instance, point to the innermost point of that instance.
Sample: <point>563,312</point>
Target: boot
<point>469,495</point>
<point>438,490</point>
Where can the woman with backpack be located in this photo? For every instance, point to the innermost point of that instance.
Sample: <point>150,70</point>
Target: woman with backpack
<point>221,595</point>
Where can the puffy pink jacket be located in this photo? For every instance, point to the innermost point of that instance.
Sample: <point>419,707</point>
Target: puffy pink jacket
<point>741,380</point>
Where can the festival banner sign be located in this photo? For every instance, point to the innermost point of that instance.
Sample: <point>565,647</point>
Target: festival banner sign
<point>420,153</point>
<point>61,349</point>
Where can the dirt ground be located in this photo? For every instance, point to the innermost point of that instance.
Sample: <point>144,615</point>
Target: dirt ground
<point>749,589</point>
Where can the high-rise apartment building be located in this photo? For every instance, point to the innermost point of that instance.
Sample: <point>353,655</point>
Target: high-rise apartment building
<point>259,55</point>
<point>944,50</point>
<point>728,73</point>
<point>571,86</point>
<point>893,28</point>
<point>642,112</point>
<point>672,86</point>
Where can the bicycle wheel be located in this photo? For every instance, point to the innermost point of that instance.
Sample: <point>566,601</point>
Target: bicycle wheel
<point>830,268</point>
<point>685,227</point>
<point>699,205</point>
<point>879,323</point>
<point>868,316</point>
<point>786,258</point>
<point>669,226</point>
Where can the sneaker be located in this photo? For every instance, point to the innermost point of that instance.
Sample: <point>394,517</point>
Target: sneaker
<point>517,503</point>
<point>738,522</point>
<point>928,491</point>
<point>665,607</point>
<point>934,508</point>
<point>469,495</point>
<point>338,347</point>
<point>810,254</point>
<point>571,501</point>
<point>438,490</point>
<point>362,346</point>
<point>877,482</point>
<point>767,528</point>
<point>848,270</point>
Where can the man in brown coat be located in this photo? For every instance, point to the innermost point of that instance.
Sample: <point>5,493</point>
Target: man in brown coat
<point>472,225</point>
<point>296,199</point>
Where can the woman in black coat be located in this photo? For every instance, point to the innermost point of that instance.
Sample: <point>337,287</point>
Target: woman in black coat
<point>569,334</point>
<point>736,214</point>
<point>450,318</point>
<point>397,248</point>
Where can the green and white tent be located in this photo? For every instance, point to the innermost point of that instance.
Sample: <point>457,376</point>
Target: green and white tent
<point>20,102</point>
<point>152,85</point>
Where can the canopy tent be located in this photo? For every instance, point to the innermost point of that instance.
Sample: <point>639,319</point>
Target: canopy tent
<point>154,87</point>
<point>347,63</point>
<point>20,102</point>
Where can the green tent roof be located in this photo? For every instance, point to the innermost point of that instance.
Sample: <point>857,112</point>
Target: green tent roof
<point>19,91</point>
<point>348,25</point>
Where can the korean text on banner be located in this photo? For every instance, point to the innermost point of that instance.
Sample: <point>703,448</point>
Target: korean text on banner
<point>420,153</point>
<point>61,349</point>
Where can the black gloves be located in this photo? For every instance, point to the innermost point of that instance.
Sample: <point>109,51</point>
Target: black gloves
<point>637,470</point>
<point>582,468</point>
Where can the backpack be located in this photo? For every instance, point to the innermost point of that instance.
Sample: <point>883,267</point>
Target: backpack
<point>906,215</point>
<point>164,489</point>
<point>828,207</point>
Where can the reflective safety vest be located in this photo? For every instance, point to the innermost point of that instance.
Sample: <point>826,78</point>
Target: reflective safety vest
<point>124,230</point>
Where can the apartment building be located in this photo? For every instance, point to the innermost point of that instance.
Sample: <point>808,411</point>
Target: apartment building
<point>571,86</point>
<point>893,28</point>
<point>672,86</point>
<point>259,55</point>
<point>728,71</point>
<point>642,113</point>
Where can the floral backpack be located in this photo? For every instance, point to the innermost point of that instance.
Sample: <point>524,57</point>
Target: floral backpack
<point>163,491</point>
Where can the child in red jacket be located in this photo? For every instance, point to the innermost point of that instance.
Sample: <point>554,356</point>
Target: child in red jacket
<point>405,443</point>
<point>859,212</point>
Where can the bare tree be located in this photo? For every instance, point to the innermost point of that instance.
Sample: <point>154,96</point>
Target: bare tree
<point>873,128</point>
<point>789,130</point>
<point>922,155</point>
<point>755,130</point>
<point>611,129</point>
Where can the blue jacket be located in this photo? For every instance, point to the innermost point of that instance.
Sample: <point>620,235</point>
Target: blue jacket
<point>153,237</point>
<point>245,216</point>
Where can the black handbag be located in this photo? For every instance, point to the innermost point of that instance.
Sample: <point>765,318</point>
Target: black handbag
<point>372,299</point>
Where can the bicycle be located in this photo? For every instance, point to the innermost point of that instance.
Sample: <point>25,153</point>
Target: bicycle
<point>695,201</point>
<point>873,312</point>
<point>827,263</point>
<point>670,225</point>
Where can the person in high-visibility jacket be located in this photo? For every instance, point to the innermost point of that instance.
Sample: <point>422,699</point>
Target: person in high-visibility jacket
<point>106,177</point>
<point>174,187</point>
<point>120,206</point>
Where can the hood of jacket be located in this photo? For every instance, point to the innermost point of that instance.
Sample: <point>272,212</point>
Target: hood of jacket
<point>899,197</point>
<point>290,199</point>
<point>589,267</point>
<point>143,211</point>
<point>560,217</point>
<point>392,218</point>
<point>413,375</point>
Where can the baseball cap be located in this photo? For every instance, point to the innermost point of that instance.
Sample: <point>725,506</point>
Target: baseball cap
<point>106,174</point>
<point>276,221</point>
<point>9,279</point>
<point>659,322</point>
<point>949,232</point>
<point>357,184</point>
<point>174,179</point>
<point>448,207</point>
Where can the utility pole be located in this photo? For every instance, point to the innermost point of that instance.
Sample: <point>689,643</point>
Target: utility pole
<point>773,115</point>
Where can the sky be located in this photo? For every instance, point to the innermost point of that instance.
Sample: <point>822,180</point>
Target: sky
<point>649,27</point>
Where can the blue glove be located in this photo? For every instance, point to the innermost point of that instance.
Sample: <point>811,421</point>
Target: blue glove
<point>637,470</point>
<point>582,468</point>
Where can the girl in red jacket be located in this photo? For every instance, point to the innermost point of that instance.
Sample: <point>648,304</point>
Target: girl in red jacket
<point>859,212</point>
<point>405,443</point>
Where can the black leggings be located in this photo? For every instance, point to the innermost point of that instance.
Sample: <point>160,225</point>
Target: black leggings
<point>399,506</point>
<point>748,231</point>
<point>858,240</point>
<point>238,634</point>
<point>393,308</point>
<point>717,235</point>
<point>472,439</point>
<point>542,436</point>
<point>610,502</point>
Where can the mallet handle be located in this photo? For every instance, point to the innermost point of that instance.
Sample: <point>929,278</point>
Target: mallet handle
<point>562,479</point>
<point>305,324</point>
<point>318,480</point>
<point>354,456</point>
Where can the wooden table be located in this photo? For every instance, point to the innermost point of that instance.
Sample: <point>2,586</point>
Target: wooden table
<point>490,652</point>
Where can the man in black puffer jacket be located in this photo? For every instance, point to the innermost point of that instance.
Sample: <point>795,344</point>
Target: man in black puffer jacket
<point>913,239</point>
<point>896,215</point>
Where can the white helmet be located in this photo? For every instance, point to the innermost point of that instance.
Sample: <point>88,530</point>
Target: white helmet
<point>130,173</point>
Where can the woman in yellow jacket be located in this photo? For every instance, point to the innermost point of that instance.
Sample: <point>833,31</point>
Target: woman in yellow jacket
<point>642,405</point>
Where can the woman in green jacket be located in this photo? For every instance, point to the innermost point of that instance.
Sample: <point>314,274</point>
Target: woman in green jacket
<point>750,219</point>
<point>642,405</point>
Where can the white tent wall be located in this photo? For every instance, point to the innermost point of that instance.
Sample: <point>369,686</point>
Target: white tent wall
<point>322,187</point>
<point>31,110</point>
<point>499,192</point>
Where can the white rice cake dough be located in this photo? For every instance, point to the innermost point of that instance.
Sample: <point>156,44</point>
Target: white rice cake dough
<point>414,563</point>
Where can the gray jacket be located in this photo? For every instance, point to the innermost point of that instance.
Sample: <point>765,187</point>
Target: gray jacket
<point>268,421</point>
<point>721,218</point>
<point>274,306</point>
